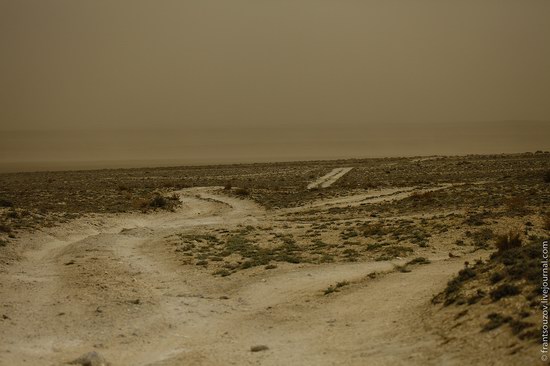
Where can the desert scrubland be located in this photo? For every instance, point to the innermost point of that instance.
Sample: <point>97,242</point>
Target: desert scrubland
<point>416,261</point>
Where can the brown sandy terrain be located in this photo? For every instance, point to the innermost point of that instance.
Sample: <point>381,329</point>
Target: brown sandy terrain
<point>205,282</point>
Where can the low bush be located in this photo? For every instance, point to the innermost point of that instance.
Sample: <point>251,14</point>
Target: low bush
<point>158,202</point>
<point>508,241</point>
<point>504,290</point>
<point>242,192</point>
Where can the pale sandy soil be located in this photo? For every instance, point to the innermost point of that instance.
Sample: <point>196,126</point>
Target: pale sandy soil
<point>112,284</point>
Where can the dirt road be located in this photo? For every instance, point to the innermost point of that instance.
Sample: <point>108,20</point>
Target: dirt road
<point>113,285</point>
<point>330,178</point>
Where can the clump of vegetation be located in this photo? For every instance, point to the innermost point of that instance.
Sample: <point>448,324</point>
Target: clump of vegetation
<point>517,327</point>
<point>164,202</point>
<point>482,237</point>
<point>374,230</point>
<point>496,277</point>
<point>546,177</point>
<point>158,201</point>
<point>350,255</point>
<point>452,291</point>
<point>508,241</point>
<point>504,290</point>
<point>495,321</point>
<point>476,219</point>
<point>348,233</point>
<point>242,192</point>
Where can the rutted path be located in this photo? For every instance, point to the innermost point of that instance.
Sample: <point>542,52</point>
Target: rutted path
<point>373,196</point>
<point>330,178</point>
<point>115,286</point>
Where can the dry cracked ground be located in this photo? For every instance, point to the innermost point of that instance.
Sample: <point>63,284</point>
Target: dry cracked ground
<point>362,271</point>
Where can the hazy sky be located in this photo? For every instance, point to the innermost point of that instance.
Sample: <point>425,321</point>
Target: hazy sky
<point>81,69</point>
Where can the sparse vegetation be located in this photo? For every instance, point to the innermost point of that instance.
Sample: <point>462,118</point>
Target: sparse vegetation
<point>504,290</point>
<point>512,272</point>
<point>395,209</point>
<point>495,321</point>
<point>508,241</point>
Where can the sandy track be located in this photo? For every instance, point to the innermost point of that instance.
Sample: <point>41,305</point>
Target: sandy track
<point>116,287</point>
<point>329,179</point>
<point>374,196</point>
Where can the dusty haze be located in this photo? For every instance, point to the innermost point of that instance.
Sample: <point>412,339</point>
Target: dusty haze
<point>98,83</point>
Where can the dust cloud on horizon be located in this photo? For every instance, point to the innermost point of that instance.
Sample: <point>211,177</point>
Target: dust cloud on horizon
<point>91,149</point>
<point>216,81</point>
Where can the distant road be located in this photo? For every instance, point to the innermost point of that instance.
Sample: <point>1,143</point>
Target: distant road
<point>329,179</point>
